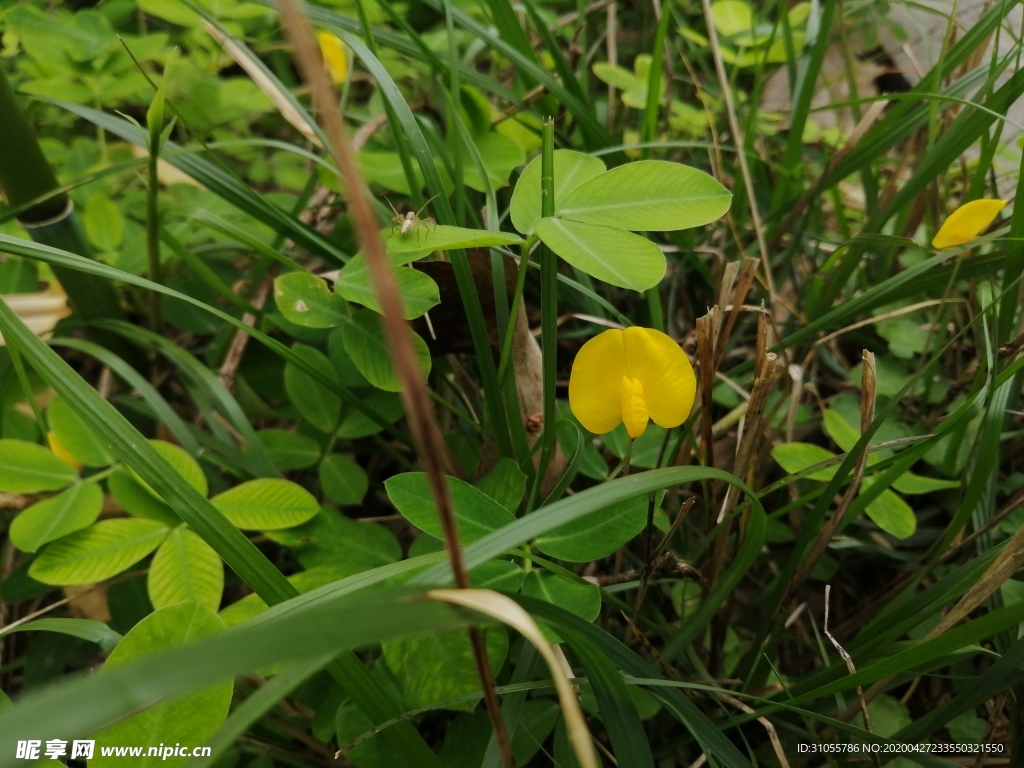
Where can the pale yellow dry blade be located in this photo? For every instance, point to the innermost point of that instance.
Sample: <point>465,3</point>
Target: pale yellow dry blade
<point>266,84</point>
<point>509,612</point>
<point>39,311</point>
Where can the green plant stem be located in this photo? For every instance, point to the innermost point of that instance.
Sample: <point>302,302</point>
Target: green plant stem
<point>153,236</point>
<point>548,310</point>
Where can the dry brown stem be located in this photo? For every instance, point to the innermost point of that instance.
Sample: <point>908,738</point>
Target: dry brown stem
<point>418,407</point>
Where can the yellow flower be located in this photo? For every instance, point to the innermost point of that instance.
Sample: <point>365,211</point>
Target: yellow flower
<point>333,51</point>
<point>629,376</point>
<point>61,452</point>
<point>966,222</point>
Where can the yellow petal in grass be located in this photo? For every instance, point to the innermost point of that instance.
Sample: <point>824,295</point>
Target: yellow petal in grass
<point>629,377</point>
<point>333,51</point>
<point>967,222</point>
<point>61,452</point>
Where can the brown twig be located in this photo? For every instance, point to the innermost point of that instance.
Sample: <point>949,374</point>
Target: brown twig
<point>233,358</point>
<point>867,415</point>
<point>418,407</point>
<point>851,669</point>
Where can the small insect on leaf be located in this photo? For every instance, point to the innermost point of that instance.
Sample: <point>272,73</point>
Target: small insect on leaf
<point>967,222</point>
<point>411,221</point>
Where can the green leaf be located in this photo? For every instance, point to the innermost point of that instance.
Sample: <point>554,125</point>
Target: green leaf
<point>288,449</point>
<point>70,511</point>
<point>891,513</point>
<point>601,535</point>
<point>30,468</point>
<point>330,538</point>
<point>579,598</point>
<point>418,291</point>
<point>796,457</point>
<point>477,514</point>
<point>500,155</point>
<point>187,467</point>
<point>436,668</point>
<point>266,504</point>
<point>426,238</point>
<point>185,569</point>
<point>191,718</point>
<point>912,484</point>
<point>77,439</point>
<point>137,500</point>
<point>619,77</point>
<point>505,483</point>
<point>607,253</point>
<point>82,705</point>
<point>344,482</point>
<point>502,575</point>
<point>733,19</point>
<point>357,424</point>
<point>318,405</point>
<point>571,170</point>
<point>100,551</point>
<point>649,195</point>
<point>842,432</point>
<point>364,341</point>
<point>87,629</point>
<point>306,300</point>
<point>104,222</point>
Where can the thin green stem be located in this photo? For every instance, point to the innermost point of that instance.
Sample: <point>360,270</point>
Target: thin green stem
<point>548,310</point>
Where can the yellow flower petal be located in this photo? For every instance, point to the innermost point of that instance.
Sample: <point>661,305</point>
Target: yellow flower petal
<point>664,370</point>
<point>629,376</point>
<point>333,51</point>
<point>595,384</point>
<point>967,222</point>
<point>61,452</point>
<point>634,409</point>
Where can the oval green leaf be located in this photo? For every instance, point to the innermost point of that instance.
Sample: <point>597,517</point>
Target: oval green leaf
<point>891,513</point>
<point>580,598</point>
<point>425,238</point>
<point>30,468</point>
<point>603,533</point>
<point>344,482</point>
<point>77,439</point>
<point>71,510</point>
<point>571,170</point>
<point>317,404</point>
<point>267,504</point>
<point>100,551</point>
<point>365,343</point>
<point>477,514</point>
<point>613,255</point>
<point>185,569</point>
<point>649,195</point>
<point>137,500</point>
<point>190,718</point>
<point>306,300</point>
<point>796,457</point>
<point>419,292</point>
<point>187,467</point>
<point>289,450</point>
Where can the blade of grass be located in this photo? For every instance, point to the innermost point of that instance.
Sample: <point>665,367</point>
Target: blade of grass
<point>427,438</point>
<point>463,274</point>
<point>48,255</point>
<point>240,554</point>
<point>215,178</point>
<point>618,712</point>
<point>90,702</point>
